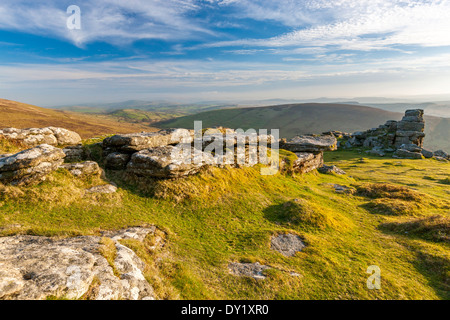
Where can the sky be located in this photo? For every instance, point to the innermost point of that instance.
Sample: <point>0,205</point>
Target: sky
<point>211,50</point>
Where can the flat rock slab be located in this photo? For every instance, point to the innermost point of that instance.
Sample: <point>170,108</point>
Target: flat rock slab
<point>167,162</point>
<point>35,136</point>
<point>31,165</point>
<point>310,143</point>
<point>130,143</point>
<point>287,244</point>
<point>252,270</point>
<point>104,189</point>
<point>35,268</point>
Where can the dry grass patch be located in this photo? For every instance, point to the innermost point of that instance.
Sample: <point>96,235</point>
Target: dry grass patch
<point>386,190</point>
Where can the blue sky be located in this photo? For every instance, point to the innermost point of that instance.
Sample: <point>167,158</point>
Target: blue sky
<point>197,50</point>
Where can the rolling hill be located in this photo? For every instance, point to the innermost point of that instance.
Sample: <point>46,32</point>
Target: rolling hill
<point>20,115</point>
<point>295,119</point>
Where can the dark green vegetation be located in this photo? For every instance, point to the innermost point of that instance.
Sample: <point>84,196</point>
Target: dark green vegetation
<point>308,118</point>
<point>229,215</point>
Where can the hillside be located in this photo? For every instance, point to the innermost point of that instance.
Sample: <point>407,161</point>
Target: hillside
<point>295,119</point>
<point>396,218</point>
<point>20,115</point>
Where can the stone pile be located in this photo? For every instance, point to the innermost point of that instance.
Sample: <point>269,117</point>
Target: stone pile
<point>403,138</point>
<point>30,166</point>
<point>36,136</point>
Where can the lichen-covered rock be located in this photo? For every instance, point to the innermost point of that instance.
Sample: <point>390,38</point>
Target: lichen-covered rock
<point>31,165</point>
<point>310,143</point>
<point>35,268</point>
<point>287,244</point>
<point>168,162</point>
<point>253,270</point>
<point>131,143</point>
<point>87,168</point>
<point>103,189</point>
<point>331,169</point>
<point>36,136</point>
<point>307,162</point>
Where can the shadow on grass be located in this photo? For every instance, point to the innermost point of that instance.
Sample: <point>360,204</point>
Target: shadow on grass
<point>437,271</point>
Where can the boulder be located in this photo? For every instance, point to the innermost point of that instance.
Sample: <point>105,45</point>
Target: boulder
<point>167,162</point>
<point>310,143</point>
<point>441,154</point>
<point>36,268</point>
<point>405,154</point>
<point>87,168</point>
<point>427,154</point>
<point>134,142</point>
<point>31,165</point>
<point>307,162</point>
<point>36,136</point>
<point>331,169</point>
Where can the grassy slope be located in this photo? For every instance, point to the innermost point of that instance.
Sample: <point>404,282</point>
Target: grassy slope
<point>20,115</point>
<point>225,215</point>
<point>312,118</point>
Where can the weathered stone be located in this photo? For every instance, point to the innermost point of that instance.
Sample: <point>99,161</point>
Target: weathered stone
<point>405,154</point>
<point>331,169</point>
<point>252,270</point>
<point>376,151</point>
<point>31,165</point>
<point>441,154</point>
<point>427,154</point>
<point>130,143</point>
<point>36,136</point>
<point>74,153</point>
<point>307,162</point>
<point>35,268</point>
<point>117,161</point>
<point>287,244</point>
<point>410,126</point>
<point>103,189</point>
<point>411,147</point>
<point>168,162</point>
<point>310,143</point>
<point>87,168</point>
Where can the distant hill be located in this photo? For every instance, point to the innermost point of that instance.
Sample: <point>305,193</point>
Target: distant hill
<point>162,107</point>
<point>21,115</point>
<point>294,119</point>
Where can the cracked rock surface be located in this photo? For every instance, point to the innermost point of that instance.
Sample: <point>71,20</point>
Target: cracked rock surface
<point>35,268</point>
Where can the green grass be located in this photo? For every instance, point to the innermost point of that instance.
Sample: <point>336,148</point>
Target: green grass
<point>225,215</point>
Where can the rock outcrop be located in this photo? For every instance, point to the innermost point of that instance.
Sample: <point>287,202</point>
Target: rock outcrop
<point>35,136</point>
<point>31,165</point>
<point>252,270</point>
<point>402,138</point>
<point>307,162</point>
<point>36,268</point>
